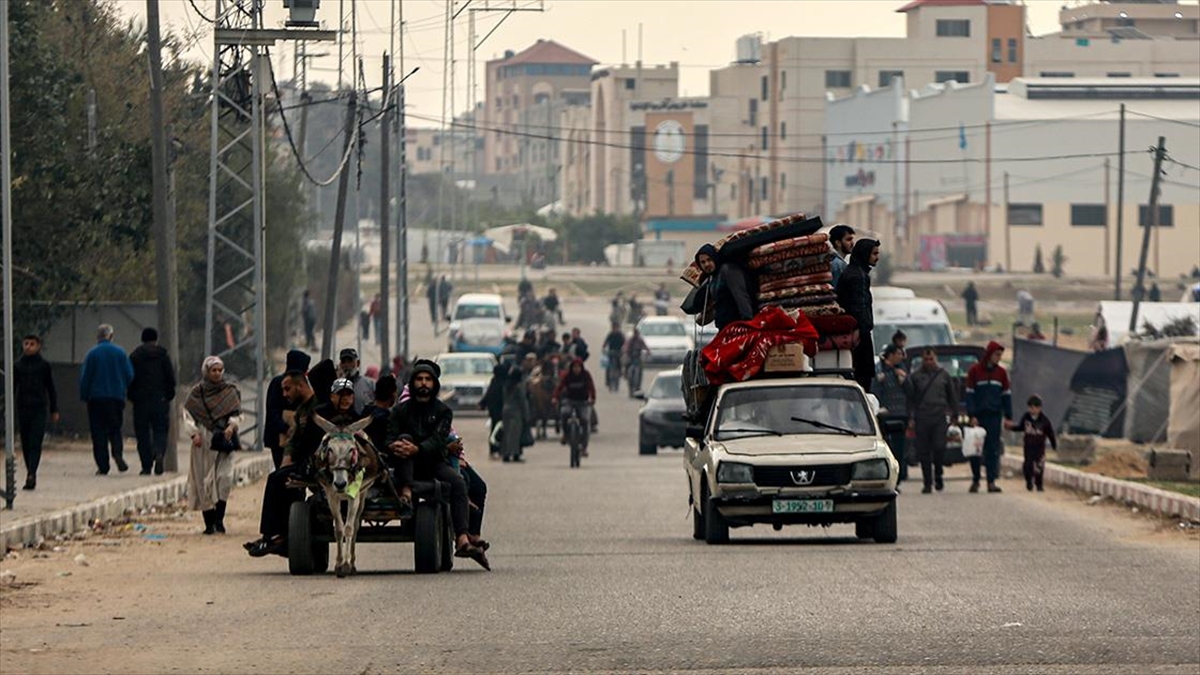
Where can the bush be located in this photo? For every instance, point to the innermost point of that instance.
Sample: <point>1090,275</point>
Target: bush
<point>1057,258</point>
<point>1038,266</point>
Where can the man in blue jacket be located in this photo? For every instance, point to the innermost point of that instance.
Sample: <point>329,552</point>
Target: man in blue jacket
<point>103,384</point>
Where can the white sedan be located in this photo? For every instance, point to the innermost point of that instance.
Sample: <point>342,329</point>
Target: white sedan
<point>465,378</point>
<point>666,337</point>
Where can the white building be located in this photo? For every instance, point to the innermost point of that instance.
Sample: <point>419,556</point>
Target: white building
<point>982,173</point>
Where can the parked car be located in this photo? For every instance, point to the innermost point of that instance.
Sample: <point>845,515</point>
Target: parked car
<point>465,378</point>
<point>957,360</point>
<point>667,339</point>
<point>478,323</point>
<point>660,421</point>
<point>794,451</point>
<point>923,320</point>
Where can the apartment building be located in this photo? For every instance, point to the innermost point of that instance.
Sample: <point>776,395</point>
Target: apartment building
<point>780,102</point>
<point>515,86</point>
<point>979,173</point>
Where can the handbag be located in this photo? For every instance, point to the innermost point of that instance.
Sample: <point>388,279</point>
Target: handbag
<point>219,442</point>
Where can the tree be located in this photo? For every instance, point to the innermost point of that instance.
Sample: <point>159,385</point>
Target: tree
<point>1038,266</point>
<point>588,235</point>
<point>1057,259</point>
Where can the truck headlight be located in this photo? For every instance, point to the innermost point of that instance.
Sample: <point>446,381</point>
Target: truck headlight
<point>873,469</point>
<point>732,472</point>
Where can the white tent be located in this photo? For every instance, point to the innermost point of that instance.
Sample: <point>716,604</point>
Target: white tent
<point>1114,315</point>
<point>505,234</point>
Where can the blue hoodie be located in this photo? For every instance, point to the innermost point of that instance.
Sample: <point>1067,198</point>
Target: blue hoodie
<point>106,373</point>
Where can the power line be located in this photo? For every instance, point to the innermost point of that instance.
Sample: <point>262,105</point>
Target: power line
<point>287,129</point>
<point>199,13</point>
<point>759,156</point>
<point>1185,123</point>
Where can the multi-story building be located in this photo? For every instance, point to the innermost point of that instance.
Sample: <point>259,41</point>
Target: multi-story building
<point>970,174</point>
<point>515,86</point>
<point>783,90</point>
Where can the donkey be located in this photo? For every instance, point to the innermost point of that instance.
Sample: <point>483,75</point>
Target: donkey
<point>347,466</point>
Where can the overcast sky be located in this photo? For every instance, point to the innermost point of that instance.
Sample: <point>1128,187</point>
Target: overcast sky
<point>699,34</point>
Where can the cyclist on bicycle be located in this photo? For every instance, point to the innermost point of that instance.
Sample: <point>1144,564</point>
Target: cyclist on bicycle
<point>576,393</point>
<point>635,348</point>
<point>614,344</point>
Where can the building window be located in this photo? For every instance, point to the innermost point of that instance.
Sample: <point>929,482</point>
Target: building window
<point>733,191</point>
<point>1056,73</point>
<point>1166,74</point>
<point>1024,214</point>
<point>540,98</point>
<point>1166,215</point>
<point>1119,75</point>
<point>630,83</point>
<point>782,80</point>
<point>997,50</point>
<point>766,88</point>
<point>783,131</point>
<point>753,121</point>
<point>516,101</point>
<point>764,138</point>
<point>782,182</point>
<point>953,28</point>
<point>700,162</point>
<point>499,103</point>
<point>835,79</point>
<point>886,76</point>
<point>1012,50</point>
<point>1089,215</point>
<point>1126,22</point>
<point>959,76</point>
<point>763,184</point>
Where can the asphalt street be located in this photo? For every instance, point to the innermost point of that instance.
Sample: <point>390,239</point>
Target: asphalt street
<point>595,570</point>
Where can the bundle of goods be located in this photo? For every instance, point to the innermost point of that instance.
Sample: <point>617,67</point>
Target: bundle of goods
<point>737,246</point>
<point>738,352</point>
<point>796,273</point>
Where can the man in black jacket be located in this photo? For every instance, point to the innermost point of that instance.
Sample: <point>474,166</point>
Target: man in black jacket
<point>731,287</point>
<point>34,391</point>
<point>854,295</point>
<point>151,393</point>
<point>418,439</point>
<point>276,426</point>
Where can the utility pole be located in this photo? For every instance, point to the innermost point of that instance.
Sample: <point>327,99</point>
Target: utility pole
<point>1107,208</point>
<point>1151,223</point>
<point>1007,229</point>
<point>383,335</point>
<point>10,420</point>
<point>1120,201</point>
<point>330,336</point>
<point>164,218</point>
<point>402,236</point>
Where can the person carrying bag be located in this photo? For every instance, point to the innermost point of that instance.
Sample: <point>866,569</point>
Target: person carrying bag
<point>212,414</point>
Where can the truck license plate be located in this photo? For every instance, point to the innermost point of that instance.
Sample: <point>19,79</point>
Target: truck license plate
<point>802,506</point>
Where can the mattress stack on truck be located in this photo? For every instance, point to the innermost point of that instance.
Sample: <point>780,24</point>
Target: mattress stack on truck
<point>788,262</point>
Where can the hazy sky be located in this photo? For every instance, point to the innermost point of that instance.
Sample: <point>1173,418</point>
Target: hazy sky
<point>699,34</point>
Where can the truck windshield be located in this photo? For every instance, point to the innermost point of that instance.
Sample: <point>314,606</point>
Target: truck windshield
<point>761,410</point>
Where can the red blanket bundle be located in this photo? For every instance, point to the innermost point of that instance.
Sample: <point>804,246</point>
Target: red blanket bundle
<point>786,244</point>
<point>761,261</point>
<point>737,352</point>
<point>795,292</point>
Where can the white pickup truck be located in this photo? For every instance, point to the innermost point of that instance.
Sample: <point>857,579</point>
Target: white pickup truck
<point>795,451</point>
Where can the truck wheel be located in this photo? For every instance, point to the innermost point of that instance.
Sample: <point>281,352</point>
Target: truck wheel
<point>427,538</point>
<point>305,555</point>
<point>864,529</point>
<point>885,525</point>
<point>697,522</point>
<point>716,530</point>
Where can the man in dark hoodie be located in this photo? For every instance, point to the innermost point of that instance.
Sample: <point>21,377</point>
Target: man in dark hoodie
<point>34,392</point>
<point>729,285</point>
<point>854,295</point>
<point>418,439</point>
<point>276,425</point>
<point>989,403</point>
<point>151,392</point>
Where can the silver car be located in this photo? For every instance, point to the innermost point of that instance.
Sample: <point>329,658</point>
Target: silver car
<point>465,378</point>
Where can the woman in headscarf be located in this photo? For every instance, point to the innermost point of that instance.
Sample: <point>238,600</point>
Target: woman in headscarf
<point>213,407</point>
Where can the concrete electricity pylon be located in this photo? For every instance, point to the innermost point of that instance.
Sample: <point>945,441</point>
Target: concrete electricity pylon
<point>235,307</point>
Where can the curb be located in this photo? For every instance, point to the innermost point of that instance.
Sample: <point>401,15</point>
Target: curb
<point>70,520</point>
<point>1152,499</point>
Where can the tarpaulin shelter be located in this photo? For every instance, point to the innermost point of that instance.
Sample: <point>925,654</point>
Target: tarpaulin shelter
<point>1082,393</point>
<point>1149,405</point>
<point>1183,424</point>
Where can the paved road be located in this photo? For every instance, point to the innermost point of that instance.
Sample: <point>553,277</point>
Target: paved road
<point>596,571</point>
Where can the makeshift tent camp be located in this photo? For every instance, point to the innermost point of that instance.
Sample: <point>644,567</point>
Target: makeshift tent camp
<point>1183,425</point>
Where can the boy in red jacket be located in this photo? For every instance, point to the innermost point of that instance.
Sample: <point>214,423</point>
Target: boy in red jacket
<point>1037,430</point>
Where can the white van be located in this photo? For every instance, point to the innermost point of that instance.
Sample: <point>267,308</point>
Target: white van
<point>923,320</point>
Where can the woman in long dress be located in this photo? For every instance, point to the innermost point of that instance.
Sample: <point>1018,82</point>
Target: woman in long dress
<point>213,406</point>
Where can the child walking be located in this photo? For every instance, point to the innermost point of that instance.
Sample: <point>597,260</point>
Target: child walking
<point>1037,430</point>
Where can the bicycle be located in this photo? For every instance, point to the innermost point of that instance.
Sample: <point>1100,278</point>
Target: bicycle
<point>634,374</point>
<point>575,434</point>
<point>612,374</point>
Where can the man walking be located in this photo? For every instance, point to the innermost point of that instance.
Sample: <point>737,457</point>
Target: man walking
<point>970,298</point>
<point>34,391</point>
<point>308,312</point>
<point>841,238</point>
<point>445,288</point>
<point>932,402</point>
<point>893,404</point>
<point>151,392</point>
<point>854,295</point>
<point>989,403</point>
<point>431,292</point>
<point>103,384</point>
